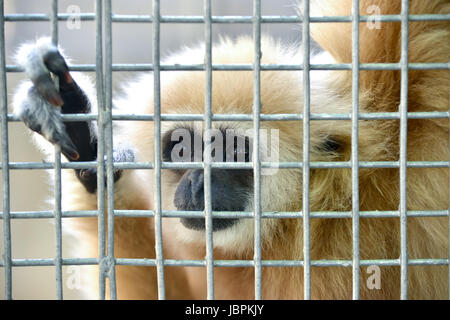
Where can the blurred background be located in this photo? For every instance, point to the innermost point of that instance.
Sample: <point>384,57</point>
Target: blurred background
<point>30,189</point>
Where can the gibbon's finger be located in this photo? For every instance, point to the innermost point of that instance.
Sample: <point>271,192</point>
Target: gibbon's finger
<point>55,62</point>
<point>88,177</point>
<point>40,116</point>
<point>41,78</point>
<point>44,84</point>
<point>67,147</point>
<point>33,58</point>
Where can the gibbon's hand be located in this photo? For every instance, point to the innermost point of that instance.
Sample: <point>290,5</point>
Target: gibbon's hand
<point>40,111</point>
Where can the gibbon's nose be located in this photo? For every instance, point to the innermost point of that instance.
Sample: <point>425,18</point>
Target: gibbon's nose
<point>190,196</point>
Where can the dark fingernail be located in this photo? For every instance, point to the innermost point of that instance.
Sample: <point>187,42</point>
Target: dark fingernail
<point>68,77</point>
<point>75,156</point>
<point>71,154</point>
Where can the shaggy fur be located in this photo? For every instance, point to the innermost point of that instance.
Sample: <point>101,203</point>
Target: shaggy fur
<point>232,92</point>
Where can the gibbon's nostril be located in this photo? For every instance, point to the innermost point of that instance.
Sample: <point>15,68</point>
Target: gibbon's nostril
<point>189,194</point>
<point>196,178</point>
<point>182,198</point>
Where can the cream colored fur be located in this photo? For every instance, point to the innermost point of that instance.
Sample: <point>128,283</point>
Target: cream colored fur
<point>427,189</point>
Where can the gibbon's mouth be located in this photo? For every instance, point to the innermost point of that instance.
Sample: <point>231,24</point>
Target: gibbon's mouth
<point>198,224</point>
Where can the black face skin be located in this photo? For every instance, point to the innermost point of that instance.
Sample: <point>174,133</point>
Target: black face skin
<point>229,188</point>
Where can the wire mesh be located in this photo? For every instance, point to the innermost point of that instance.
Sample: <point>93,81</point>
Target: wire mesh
<point>104,68</point>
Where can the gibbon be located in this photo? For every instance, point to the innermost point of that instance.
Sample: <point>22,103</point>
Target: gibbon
<point>39,104</point>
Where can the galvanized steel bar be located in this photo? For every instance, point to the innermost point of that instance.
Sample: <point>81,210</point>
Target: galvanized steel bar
<point>100,164</point>
<point>108,140</point>
<point>207,154</point>
<point>229,263</point>
<point>131,67</point>
<point>58,223</point>
<point>282,263</point>
<point>403,151</point>
<point>229,165</point>
<point>7,264</point>
<point>81,117</point>
<point>354,149</point>
<point>57,172</point>
<point>157,140</point>
<point>256,111</point>
<point>123,18</point>
<point>306,156</point>
<point>225,214</point>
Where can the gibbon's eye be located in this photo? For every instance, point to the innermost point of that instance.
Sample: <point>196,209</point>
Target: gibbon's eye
<point>168,148</point>
<point>241,150</point>
<point>176,145</point>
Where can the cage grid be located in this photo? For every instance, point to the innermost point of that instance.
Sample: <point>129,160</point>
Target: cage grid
<point>104,68</point>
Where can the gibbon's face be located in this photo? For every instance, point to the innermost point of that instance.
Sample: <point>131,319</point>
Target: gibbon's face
<point>232,141</point>
<point>231,189</point>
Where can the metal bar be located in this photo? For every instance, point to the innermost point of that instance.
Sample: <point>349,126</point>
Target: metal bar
<point>354,152</point>
<point>403,151</point>
<point>16,17</point>
<point>247,117</point>
<point>256,146</point>
<point>225,214</point>
<point>306,156</point>
<point>157,137</point>
<point>207,154</point>
<point>57,172</point>
<point>134,67</point>
<point>282,263</point>
<point>108,138</point>
<point>5,161</point>
<point>229,165</point>
<point>100,164</point>
<point>228,263</point>
<point>448,97</point>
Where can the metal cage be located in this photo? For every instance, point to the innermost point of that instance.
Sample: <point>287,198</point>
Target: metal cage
<point>104,18</point>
